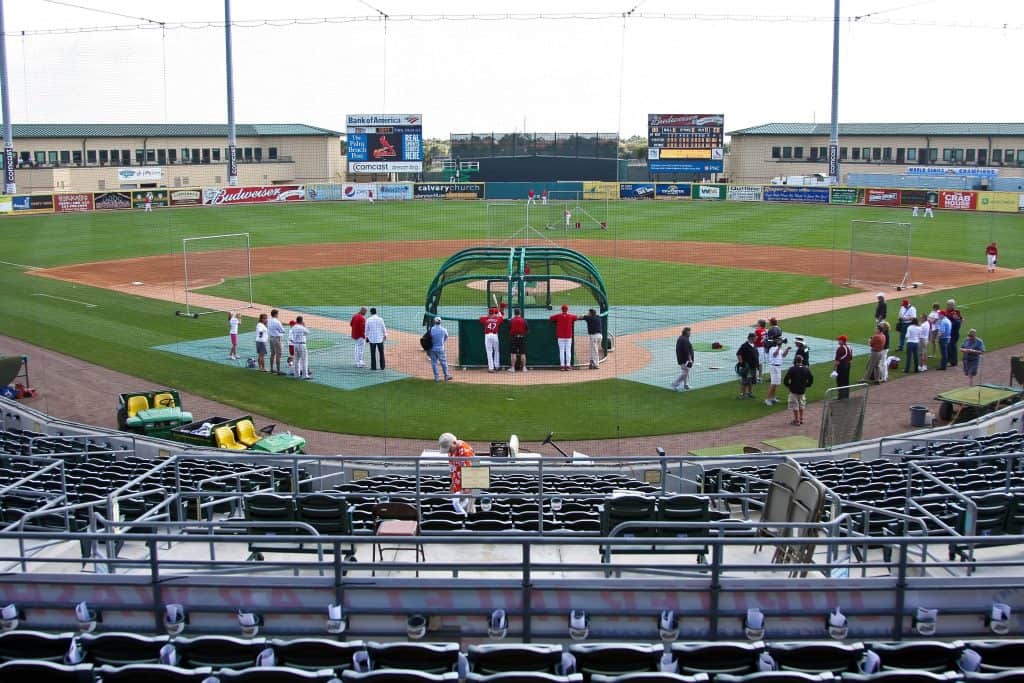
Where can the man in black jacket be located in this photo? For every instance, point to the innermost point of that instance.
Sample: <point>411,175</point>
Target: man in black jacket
<point>746,366</point>
<point>881,308</point>
<point>684,357</point>
<point>798,378</point>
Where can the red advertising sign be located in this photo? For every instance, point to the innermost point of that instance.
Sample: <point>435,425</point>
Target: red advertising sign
<point>78,201</point>
<point>963,201</point>
<point>253,195</point>
<point>883,197</point>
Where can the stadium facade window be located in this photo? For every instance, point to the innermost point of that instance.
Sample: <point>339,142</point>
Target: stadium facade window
<point>195,155</point>
<point>843,153</point>
<point>206,155</point>
<point>39,157</point>
<point>900,158</point>
<point>887,153</point>
<point>865,153</point>
<point>1020,157</point>
<point>140,154</point>
<point>787,152</point>
<point>813,152</point>
<point>1008,156</point>
<point>911,154</point>
<point>997,156</point>
<point>90,156</point>
<point>776,152</point>
<point>958,156</point>
<point>51,157</point>
<point>856,153</point>
<point>65,156</point>
<point>172,156</point>
<point>257,154</point>
<point>876,153</point>
<point>150,156</point>
<point>76,157</point>
<point>982,156</point>
<point>933,155</point>
<point>947,155</point>
<point>24,157</point>
<point>215,153</point>
<point>247,153</point>
<point>798,152</point>
<point>272,153</point>
<point>126,156</point>
<point>161,156</point>
<point>969,155</point>
<point>104,156</point>
<point>184,155</point>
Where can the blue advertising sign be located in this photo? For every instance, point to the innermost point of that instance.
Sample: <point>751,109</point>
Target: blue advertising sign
<point>395,190</point>
<point>672,190</point>
<point>636,191</point>
<point>385,143</point>
<point>685,166</point>
<point>809,195</point>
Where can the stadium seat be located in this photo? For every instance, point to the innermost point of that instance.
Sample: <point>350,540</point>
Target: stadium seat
<point>650,677</point>
<point>614,658</point>
<point>119,649</point>
<point>314,654</point>
<point>152,673</point>
<point>999,655</point>
<point>901,676</point>
<point>717,658</point>
<point>225,438</point>
<point>274,674</point>
<point>1009,676</point>
<point>775,677</point>
<point>398,676</point>
<point>433,658</point>
<point>817,657</point>
<point>219,651</point>
<point>38,671</point>
<point>247,434</point>
<point>926,655</point>
<point>492,658</point>
<point>523,677</point>
<point>136,404</point>
<point>34,645</point>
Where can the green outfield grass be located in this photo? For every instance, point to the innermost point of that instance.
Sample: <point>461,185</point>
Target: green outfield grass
<point>118,331</point>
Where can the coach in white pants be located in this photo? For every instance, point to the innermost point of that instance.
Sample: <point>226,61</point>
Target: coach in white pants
<point>297,337</point>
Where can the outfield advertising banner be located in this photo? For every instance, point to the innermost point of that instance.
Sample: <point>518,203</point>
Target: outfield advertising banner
<point>6,204</point>
<point>709,191</point>
<point>112,200</point>
<point>877,197</point>
<point>597,189</point>
<point>323,192</point>
<point>958,201</point>
<point>1004,202</point>
<point>448,191</point>
<point>353,192</point>
<point>385,143</point>
<point>154,197</point>
<point>956,171</point>
<point>807,195</point>
<point>259,194</point>
<point>35,203</point>
<point>73,201</point>
<point>672,190</point>
<point>136,174</point>
<point>392,191</point>
<point>846,195</point>
<point>189,197</point>
<point>744,193</point>
<point>636,191</point>
<point>918,197</point>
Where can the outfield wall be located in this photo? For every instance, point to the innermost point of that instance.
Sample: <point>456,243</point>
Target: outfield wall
<point>893,197</point>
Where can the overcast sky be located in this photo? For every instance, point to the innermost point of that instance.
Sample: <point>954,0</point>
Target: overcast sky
<point>755,61</point>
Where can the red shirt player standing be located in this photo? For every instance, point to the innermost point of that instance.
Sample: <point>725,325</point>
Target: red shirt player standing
<point>491,322</point>
<point>991,255</point>
<point>358,325</point>
<point>530,197</point>
<point>564,332</point>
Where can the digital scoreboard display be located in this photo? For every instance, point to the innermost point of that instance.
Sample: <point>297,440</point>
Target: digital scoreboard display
<point>685,143</point>
<point>385,143</point>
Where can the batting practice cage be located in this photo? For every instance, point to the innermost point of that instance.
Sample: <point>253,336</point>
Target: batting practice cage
<point>534,279</point>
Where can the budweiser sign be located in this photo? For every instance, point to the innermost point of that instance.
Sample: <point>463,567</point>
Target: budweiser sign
<point>253,195</point>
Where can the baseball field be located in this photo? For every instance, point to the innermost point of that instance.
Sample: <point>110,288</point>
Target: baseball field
<point>105,286</point>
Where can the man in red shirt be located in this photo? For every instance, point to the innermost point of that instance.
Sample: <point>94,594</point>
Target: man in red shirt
<point>991,255</point>
<point>841,366</point>
<point>563,331</point>
<point>358,325</point>
<point>491,322</point>
<point>760,332</point>
<point>530,197</point>
<point>517,329</point>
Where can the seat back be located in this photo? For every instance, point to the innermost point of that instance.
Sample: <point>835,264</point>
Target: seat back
<point>684,508</point>
<point>394,510</point>
<point>247,432</point>
<point>329,515</point>
<point>780,492</point>
<point>491,658</point>
<point>619,509</point>
<point>135,404</point>
<point>164,400</point>
<point>270,507</point>
<point>226,439</point>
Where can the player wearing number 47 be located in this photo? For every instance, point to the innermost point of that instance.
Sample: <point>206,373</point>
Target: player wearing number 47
<point>492,322</point>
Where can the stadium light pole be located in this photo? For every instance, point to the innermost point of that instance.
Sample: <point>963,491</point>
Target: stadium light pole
<point>232,141</point>
<point>833,140</point>
<point>5,111</point>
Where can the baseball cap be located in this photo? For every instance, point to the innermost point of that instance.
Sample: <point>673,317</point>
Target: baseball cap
<point>492,309</point>
<point>879,296</point>
<point>564,308</point>
<point>291,322</point>
<point>751,336</point>
<point>951,302</point>
<point>437,319</point>
<point>773,321</point>
<point>906,301</point>
<point>942,314</point>
<point>841,337</point>
<point>798,340</point>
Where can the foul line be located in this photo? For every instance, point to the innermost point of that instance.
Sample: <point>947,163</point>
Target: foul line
<point>995,298</point>
<point>60,298</point>
<point>20,265</point>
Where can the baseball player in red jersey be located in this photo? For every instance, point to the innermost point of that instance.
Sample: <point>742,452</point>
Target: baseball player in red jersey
<point>517,329</point>
<point>762,354</point>
<point>491,322</point>
<point>991,255</point>
<point>563,331</point>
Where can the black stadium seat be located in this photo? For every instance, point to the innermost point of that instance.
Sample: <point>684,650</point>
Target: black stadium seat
<point>119,649</point>
<point>219,651</point>
<point>398,676</point>
<point>775,677</point>
<point>426,657</point>
<point>29,671</point>
<point>274,674</point>
<point>614,658</point>
<point>313,654</point>
<point>152,673</point>
<point>490,658</point>
<point>650,677</point>
<point>524,677</point>
<point>34,645</point>
<point>817,657</point>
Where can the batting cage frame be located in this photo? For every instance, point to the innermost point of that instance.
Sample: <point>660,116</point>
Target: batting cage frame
<point>883,230</point>
<point>191,311</point>
<point>842,415</point>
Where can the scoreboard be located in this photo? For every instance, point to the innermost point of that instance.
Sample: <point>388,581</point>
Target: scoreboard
<point>685,143</point>
<point>385,143</point>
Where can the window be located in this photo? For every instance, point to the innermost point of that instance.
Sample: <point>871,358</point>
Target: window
<point>842,154</point>
<point>90,156</point>
<point>1008,156</point>
<point>172,156</point>
<point>161,156</point>
<point>195,155</point>
<point>933,155</point>
<point>257,153</point>
<point>970,155</point>
<point>798,152</point>
<point>150,156</point>
<point>206,155</point>
<point>900,152</point>
<point>51,157</point>
<point>787,152</point>
<point>876,153</point>
<point>104,156</point>
<point>958,156</point>
<point>813,151</point>
<point>982,156</point>
<point>272,153</point>
<point>248,154</point>
<point>887,154</point>
<point>947,155</point>
<point>140,155</point>
<point>126,156</point>
<point>65,156</point>
<point>216,153</point>
<point>776,152</point>
<point>865,153</point>
<point>856,153</point>
<point>911,154</point>
<point>997,156</point>
<point>823,152</point>
<point>184,155</point>
<point>39,157</point>
<point>1020,157</point>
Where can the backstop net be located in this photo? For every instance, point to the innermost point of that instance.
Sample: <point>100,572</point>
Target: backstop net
<point>210,260</point>
<point>880,254</point>
<point>567,210</point>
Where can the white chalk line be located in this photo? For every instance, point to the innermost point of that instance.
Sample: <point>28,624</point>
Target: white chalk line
<point>61,298</point>
<point>995,298</point>
<point>20,265</point>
